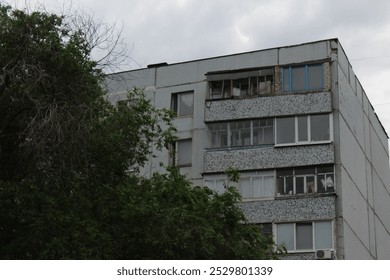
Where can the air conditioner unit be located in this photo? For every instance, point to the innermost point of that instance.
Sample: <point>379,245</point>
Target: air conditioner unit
<point>323,255</point>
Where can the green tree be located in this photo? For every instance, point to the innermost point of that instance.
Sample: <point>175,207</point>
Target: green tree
<point>65,190</point>
<point>179,221</point>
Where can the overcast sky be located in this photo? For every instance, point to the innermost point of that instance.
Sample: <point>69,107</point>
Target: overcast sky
<point>180,30</point>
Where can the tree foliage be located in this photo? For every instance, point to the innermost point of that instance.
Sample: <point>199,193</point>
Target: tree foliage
<point>65,190</point>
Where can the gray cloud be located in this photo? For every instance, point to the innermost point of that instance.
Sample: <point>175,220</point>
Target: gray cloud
<point>179,30</point>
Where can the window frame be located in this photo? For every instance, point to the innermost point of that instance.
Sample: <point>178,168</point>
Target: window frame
<point>307,88</point>
<point>230,131</point>
<point>308,127</point>
<point>252,176</point>
<point>313,234</point>
<point>175,156</point>
<point>230,83</point>
<point>175,103</point>
<point>294,177</point>
<point>243,175</point>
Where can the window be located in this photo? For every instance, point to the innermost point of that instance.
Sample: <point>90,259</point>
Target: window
<point>305,236</point>
<point>303,129</point>
<point>220,89</point>
<point>263,131</point>
<point>258,184</point>
<point>303,78</point>
<point>241,133</point>
<point>218,133</point>
<point>240,83</point>
<point>285,130</point>
<point>182,152</point>
<point>215,182</point>
<point>320,127</point>
<point>183,104</point>
<point>305,180</point>
<point>266,229</point>
<point>325,179</point>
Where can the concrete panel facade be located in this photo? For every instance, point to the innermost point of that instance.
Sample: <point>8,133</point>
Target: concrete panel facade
<point>382,241</point>
<point>268,106</point>
<point>268,157</point>
<point>355,209</point>
<point>353,247</point>
<point>290,210</point>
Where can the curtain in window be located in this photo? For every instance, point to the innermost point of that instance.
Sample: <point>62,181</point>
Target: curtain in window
<point>186,101</point>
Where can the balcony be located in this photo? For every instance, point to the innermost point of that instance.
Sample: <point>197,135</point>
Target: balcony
<point>264,157</point>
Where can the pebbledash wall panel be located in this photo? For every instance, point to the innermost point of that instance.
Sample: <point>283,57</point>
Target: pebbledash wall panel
<point>268,106</point>
<point>268,157</point>
<point>290,209</point>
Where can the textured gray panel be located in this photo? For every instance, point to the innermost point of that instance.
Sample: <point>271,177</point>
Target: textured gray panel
<point>267,157</point>
<point>290,210</point>
<point>268,106</point>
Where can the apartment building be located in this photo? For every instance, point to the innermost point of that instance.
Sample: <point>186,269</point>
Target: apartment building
<point>295,122</point>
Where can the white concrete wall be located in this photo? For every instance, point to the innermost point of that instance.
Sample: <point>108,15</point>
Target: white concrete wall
<point>363,156</point>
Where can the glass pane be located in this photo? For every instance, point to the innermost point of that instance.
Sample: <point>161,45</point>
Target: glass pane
<point>265,87</point>
<point>245,188</point>
<point>315,77</point>
<point>299,185</point>
<point>258,188</point>
<point>218,135</point>
<point>184,152</point>
<point>285,172</point>
<point>227,88</point>
<point>267,229</point>
<point>310,184</point>
<point>186,104</point>
<point>258,136</point>
<point>253,86</point>
<point>280,186</point>
<point>241,87</point>
<point>298,77</point>
<point>289,185</point>
<point>209,184</point>
<point>222,139</point>
<point>302,129</point>
<point>220,185</point>
<point>285,130</point>
<point>285,235</point>
<point>268,186</point>
<point>320,183</point>
<point>329,183</point>
<point>286,80</point>
<point>216,89</point>
<point>246,133</point>
<point>268,135</point>
<point>323,235</point>
<point>319,127</point>
<point>304,236</point>
<point>305,171</point>
<point>325,169</point>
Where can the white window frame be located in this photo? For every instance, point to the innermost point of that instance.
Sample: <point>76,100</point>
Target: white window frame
<point>229,134</point>
<point>214,179</point>
<point>252,176</point>
<point>296,136</point>
<point>314,248</point>
<point>294,176</point>
<point>246,175</point>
